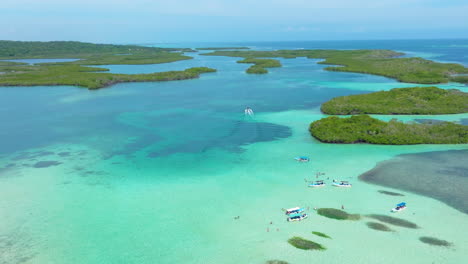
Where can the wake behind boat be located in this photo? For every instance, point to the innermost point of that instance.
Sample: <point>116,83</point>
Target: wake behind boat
<point>399,207</point>
<point>248,111</point>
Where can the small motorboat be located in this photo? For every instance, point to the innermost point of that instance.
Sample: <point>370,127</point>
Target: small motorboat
<point>302,159</point>
<point>248,111</point>
<point>317,184</point>
<point>399,207</point>
<point>294,210</point>
<point>344,184</point>
<point>297,217</point>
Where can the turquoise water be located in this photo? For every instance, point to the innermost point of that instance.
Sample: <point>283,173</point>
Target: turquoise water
<point>156,172</point>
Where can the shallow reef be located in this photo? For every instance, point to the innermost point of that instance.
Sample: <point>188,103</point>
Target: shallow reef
<point>305,244</point>
<point>276,261</point>
<point>390,193</point>
<point>45,164</point>
<point>378,226</point>
<point>428,174</point>
<point>320,234</point>
<point>394,221</point>
<point>337,214</point>
<point>435,241</point>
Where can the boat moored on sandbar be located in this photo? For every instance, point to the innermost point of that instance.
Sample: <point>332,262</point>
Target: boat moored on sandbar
<point>297,217</point>
<point>317,184</point>
<point>302,159</point>
<point>294,210</point>
<point>399,207</point>
<point>344,184</point>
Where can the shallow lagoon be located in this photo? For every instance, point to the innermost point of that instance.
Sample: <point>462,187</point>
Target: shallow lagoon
<point>156,172</point>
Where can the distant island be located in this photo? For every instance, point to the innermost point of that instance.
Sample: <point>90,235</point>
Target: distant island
<point>409,101</point>
<point>365,129</point>
<point>78,73</point>
<point>260,65</point>
<point>224,48</point>
<point>379,62</point>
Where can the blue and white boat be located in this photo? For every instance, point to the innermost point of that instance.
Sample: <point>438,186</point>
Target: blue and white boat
<point>399,207</point>
<point>317,184</point>
<point>297,217</point>
<point>344,184</point>
<point>294,210</point>
<point>302,159</point>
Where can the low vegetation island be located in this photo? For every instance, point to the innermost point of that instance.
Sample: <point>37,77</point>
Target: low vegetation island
<point>78,73</point>
<point>411,101</point>
<point>379,62</point>
<point>260,65</point>
<point>365,129</point>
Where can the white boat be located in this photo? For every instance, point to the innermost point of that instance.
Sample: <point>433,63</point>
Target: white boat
<point>317,184</point>
<point>302,159</point>
<point>248,111</point>
<point>399,207</point>
<point>294,210</point>
<point>343,184</point>
<point>297,217</point>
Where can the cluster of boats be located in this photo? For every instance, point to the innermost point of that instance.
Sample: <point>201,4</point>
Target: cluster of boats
<point>296,214</point>
<point>321,183</point>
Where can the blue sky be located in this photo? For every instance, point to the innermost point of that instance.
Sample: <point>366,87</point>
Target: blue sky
<point>145,21</point>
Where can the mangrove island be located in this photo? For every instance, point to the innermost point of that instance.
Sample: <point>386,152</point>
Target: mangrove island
<point>386,63</point>
<point>78,73</point>
<point>411,101</point>
<point>365,129</point>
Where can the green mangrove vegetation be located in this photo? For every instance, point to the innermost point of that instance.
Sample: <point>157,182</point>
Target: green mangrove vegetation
<point>390,193</point>
<point>305,244</point>
<point>394,221</point>
<point>365,129</point>
<point>378,226</point>
<point>379,62</point>
<point>73,49</point>
<point>337,214</point>
<point>435,241</point>
<point>89,77</point>
<point>78,73</point>
<point>460,79</point>
<point>260,65</point>
<point>320,234</point>
<point>411,101</point>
